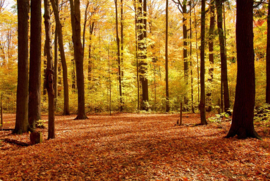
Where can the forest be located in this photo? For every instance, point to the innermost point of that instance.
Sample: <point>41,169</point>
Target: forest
<point>135,89</point>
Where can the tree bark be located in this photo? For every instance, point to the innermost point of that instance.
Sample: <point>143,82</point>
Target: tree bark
<point>78,55</point>
<point>122,46</point>
<point>136,54</point>
<point>118,57</point>
<point>268,57</point>
<point>166,59</point>
<point>21,125</point>
<point>224,77</point>
<point>202,103</point>
<point>55,59</point>
<point>185,53</point>
<point>211,54</point>
<point>49,71</point>
<point>191,61</point>
<point>63,58</point>
<point>142,47</point>
<point>243,112</point>
<point>91,30</point>
<point>35,65</point>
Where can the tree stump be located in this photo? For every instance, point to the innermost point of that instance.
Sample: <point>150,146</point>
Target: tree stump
<point>36,137</point>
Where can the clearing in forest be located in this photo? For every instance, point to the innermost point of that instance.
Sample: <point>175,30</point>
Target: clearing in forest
<point>134,147</point>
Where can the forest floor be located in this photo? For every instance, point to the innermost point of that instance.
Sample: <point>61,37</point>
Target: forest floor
<point>134,147</point>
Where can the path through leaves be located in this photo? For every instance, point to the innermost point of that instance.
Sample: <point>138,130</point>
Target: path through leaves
<point>134,147</point>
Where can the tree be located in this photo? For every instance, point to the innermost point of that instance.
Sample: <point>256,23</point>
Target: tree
<point>142,51</point>
<point>182,6</point>
<point>243,111</point>
<point>55,57</point>
<point>224,77</point>
<point>268,57</point>
<point>211,54</point>
<point>35,65</point>
<point>202,102</point>
<point>166,59</point>
<point>78,55</point>
<point>49,70</point>
<point>118,56</point>
<point>191,61</point>
<point>63,57</point>
<point>22,86</point>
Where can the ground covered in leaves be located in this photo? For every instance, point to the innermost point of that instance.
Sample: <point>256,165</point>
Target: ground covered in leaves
<point>134,147</point>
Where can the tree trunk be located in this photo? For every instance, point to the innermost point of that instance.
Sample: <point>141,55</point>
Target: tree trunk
<point>55,59</point>
<point>21,125</point>
<point>243,112</point>
<point>49,71</point>
<point>136,54</point>
<point>63,58</point>
<point>122,45</point>
<point>211,54</point>
<point>191,61</point>
<point>78,55</point>
<point>202,103</point>
<point>35,65</point>
<point>166,60</point>
<point>268,58</point>
<point>91,28</point>
<point>185,53</point>
<point>142,47</point>
<point>118,55</point>
<point>224,77</point>
<point>197,56</point>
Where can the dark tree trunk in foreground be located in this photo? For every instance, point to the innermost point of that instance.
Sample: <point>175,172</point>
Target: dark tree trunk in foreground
<point>49,71</point>
<point>63,57</point>
<point>224,77</point>
<point>35,65</point>
<point>202,102</point>
<point>118,56</point>
<point>166,60</point>
<point>22,86</point>
<point>243,112</point>
<point>78,55</point>
<point>268,58</point>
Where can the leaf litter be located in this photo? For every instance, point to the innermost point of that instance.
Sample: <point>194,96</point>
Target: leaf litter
<point>134,147</point>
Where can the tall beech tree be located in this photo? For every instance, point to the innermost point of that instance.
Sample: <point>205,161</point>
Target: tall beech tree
<point>78,55</point>
<point>142,51</point>
<point>243,111</point>
<point>190,59</point>
<point>202,102</point>
<point>211,54</point>
<point>223,57</point>
<point>21,125</point>
<point>136,53</point>
<point>118,56</point>
<point>55,58</point>
<point>63,57</point>
<point>49,70</point>
<point>35,65</point>
<point>166,59</point>
<point>268,57</point>
<point>182,7</point>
